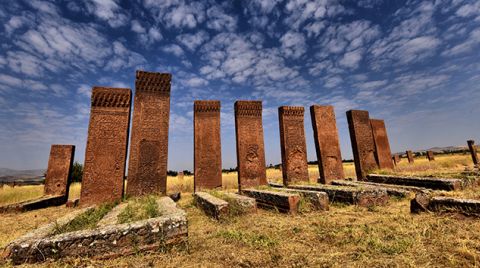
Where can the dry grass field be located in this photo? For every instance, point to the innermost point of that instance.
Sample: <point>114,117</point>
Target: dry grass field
<point>344,236</point>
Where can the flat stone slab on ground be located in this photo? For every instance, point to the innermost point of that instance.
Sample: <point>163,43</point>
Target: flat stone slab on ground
<point>284,202</point>
<point>319,200</point>
<point>425,202</point>
<point>430,183</point>
<point>362,197</point>
<point>39,203</point>
<point>212,206</point>
<point>105,242</point>
<point>392,190</point>
<point>244,203</point>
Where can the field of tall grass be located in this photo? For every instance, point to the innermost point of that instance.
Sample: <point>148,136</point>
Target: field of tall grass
<point>344,236</point>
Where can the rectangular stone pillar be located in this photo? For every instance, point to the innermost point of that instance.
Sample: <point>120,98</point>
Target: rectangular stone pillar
<point>396,159</point>
<point>325,135</point>
<point>147,167</point>
<point>59,171</point>
<point>473,151</point>
<point>207,145</point>
<point>410,157</point>
<point>382,145</point>
<point>250,145</point>
<point>293,145</point>
<point>106,151</point>
<point>363,145</point>
<point>430,156</point>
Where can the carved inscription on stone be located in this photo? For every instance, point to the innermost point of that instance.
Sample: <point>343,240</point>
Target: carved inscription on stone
<point>325,135</point>
<point>250,145</point>
<point>147,167</point>
<point>293,145</point>
<point>106,151</point>
<point>207,146</point>
<point>382,145</point>
<point>57,180</point>
<point>363,145</point>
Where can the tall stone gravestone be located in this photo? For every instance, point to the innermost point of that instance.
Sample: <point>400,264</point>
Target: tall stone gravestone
<point>147,167</point>
<point>382,145</point>
<point>293,145</point>
<point>106,151</point>
<point>207,145</point>
<point>250,145</point>
<point>59,171</point>
<point>396,159</point>
<point>473,151</point>
<point>410,156</point>
<point>325,135</point>
<point>363,145</point>
<point>430,156</point>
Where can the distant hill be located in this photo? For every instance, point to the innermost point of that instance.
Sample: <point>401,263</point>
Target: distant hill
<point>440,150</point>
<point>8,175</point>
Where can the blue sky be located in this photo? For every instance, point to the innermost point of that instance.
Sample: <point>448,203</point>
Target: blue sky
<point>413,63</point>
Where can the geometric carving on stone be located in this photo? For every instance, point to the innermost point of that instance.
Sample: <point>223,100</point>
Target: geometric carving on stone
<point>147,167</point>
<point>207,145</point>
<point>363,145</point>
<point>430,156</point>
<point>325,135</point>
<point>382,145</point>
<point>473,151</point>
<point>250,145</point>
<point>106,151</point>
<point>293,145</point>
<point>57,180</point>
<point>410,156</point>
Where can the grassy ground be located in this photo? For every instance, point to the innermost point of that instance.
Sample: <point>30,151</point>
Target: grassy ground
<point>345,236</point>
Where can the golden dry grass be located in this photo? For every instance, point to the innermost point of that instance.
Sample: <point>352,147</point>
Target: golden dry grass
<point>345,236</point>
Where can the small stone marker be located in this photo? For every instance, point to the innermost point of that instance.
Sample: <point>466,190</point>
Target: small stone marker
<point>208,151</point>
<point>382,145</point>
<point>473,152</point>
<point>250,145</point>
<point>430,156</point>
<point>284,202</point>
<point>363,145</point>
<point>410,157</point>
<point>106,151</point>
<point>211,205</point>
<point>396,159</point>
<point>325,135</point>
<point>147,168</point>
<point>60,163</point>
<point>293,145</point>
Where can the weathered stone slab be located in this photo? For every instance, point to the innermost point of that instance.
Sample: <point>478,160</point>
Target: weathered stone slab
<point>318,200</point>
<point>425,202</point>
<point>430,156</point>
<point>207,154</point>
<point>250,144</point>
<point>349,195</point>
<point>363,145</point>
<point>293,145</point>
<point>110,241</point>
<point>396,159</point>
<point>211,205</point>
<point>410,156</point>
<point>243,203</point>
<point>60,163</point>
<point>106,151</point>
<point>429,183</point>
<point>382,145</point>
<point>112,217</point>
<point>284,202</point>
<point>325,135</point>
<point>42,202</point>
<point>147,168</point>
<point>391,190</point>
<point>473,152</point>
